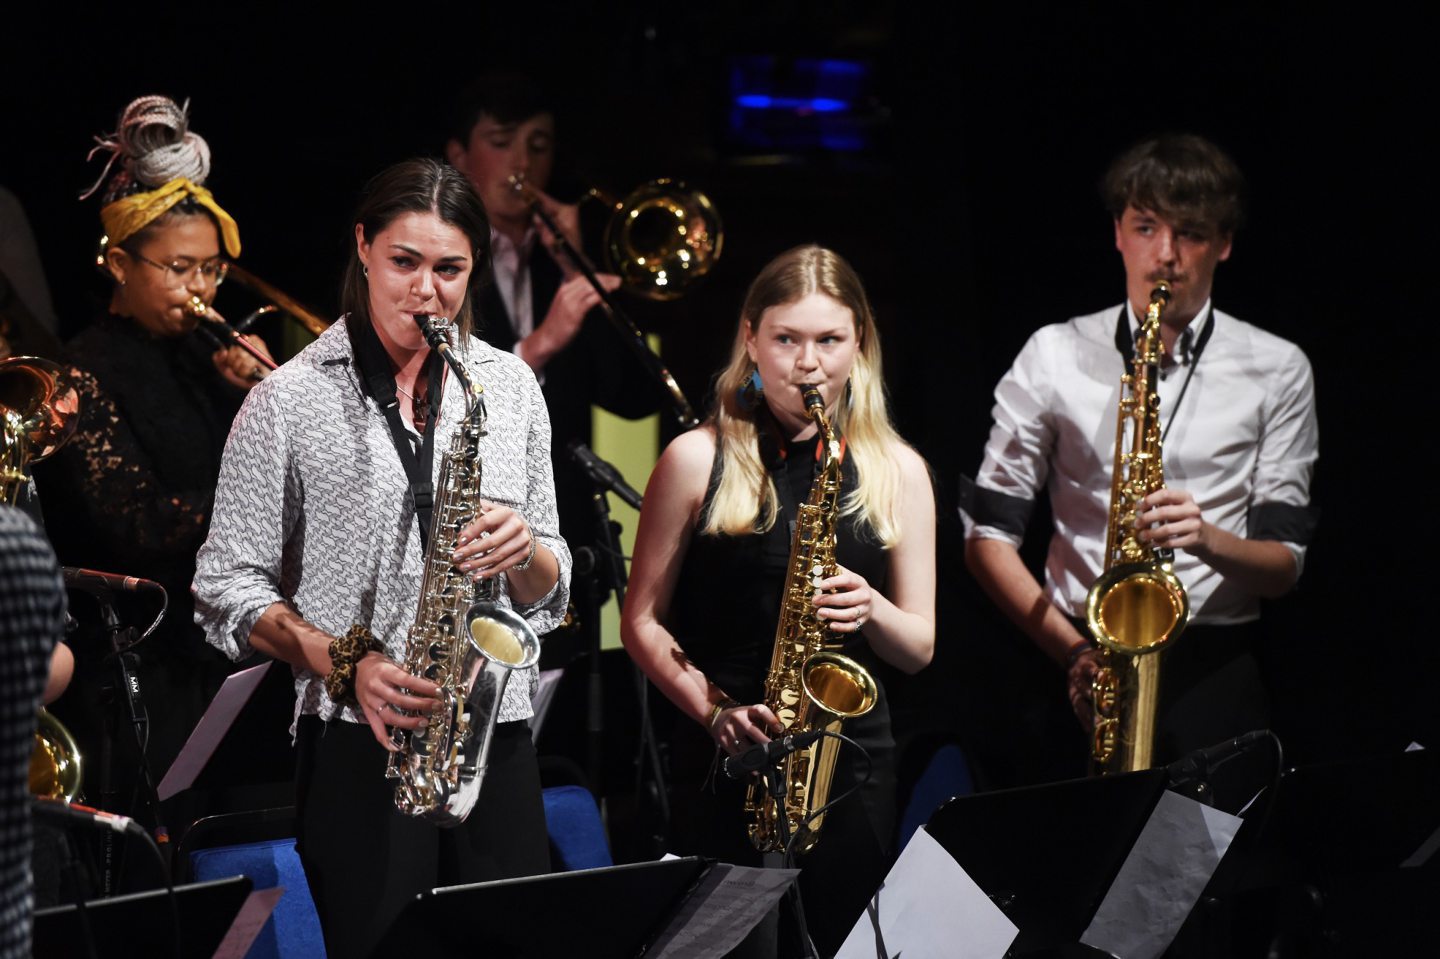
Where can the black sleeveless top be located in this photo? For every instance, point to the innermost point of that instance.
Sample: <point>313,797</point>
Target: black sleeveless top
<point>727,598</point>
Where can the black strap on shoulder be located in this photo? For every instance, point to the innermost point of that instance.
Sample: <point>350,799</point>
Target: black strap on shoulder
<point>1125,345</point>
<point>374,366</point>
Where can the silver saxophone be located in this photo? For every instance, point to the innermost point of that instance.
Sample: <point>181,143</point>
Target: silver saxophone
<point>461,639</point>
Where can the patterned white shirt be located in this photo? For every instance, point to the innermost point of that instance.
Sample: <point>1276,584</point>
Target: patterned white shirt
<point>1243,443</point>
<point>313,507</point>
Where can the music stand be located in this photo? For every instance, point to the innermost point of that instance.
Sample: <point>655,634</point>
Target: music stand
<point>1047,854</point>
<point>610,912</point>
<point>138,925</point>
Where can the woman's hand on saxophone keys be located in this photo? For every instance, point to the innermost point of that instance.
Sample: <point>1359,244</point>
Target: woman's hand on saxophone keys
<point>737,728</point>
<point>1080,682</point>
<point>844,601</point>
<point>496,540</point>
<point>389,696</point>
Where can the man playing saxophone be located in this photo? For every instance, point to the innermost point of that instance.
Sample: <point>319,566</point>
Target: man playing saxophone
<point>1237,411</point>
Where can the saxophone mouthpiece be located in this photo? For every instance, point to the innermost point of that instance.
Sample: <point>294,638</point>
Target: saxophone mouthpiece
<point>1161,293</point>
<point>433,328</point>
<point>813,398</point>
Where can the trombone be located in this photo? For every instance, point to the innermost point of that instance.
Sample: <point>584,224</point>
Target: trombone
<point>660,239</point>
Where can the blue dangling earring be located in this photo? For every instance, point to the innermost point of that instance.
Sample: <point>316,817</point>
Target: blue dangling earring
<point>752,393</point>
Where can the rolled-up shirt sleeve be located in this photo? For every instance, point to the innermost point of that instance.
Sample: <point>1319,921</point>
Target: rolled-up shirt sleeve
<point>997,504</point>
<point>238,569</point>
<point>546,613</point>
<point>1285,463</point>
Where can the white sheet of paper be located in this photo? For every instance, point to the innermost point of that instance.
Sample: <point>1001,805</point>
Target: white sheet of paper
<point>929,906</point>
<point>248,922</point>
<point>221,713</point>
<point>722,910</point>
<point>1161,879</point>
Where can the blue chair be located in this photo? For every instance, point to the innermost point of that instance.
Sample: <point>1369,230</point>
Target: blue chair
<point>946,775</point>
<point>293,929</point>
<point>577,835</point>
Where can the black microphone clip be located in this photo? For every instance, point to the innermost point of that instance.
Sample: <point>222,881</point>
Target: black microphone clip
<point>761,755</point>
<point>602,474</point>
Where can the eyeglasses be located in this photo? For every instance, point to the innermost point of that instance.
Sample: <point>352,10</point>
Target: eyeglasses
<point>179,272</point>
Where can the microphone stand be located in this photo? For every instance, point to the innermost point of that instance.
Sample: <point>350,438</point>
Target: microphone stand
<point>775,781</point>
<point>611,576</point>
<point>122,638</point>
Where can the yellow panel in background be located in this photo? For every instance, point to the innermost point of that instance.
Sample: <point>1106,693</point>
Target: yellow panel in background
<point>632,447</point>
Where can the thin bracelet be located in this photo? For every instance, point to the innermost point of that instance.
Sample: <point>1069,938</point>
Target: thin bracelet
<point>1083,646</point>
<point>716,709</point>
<point>534,548</point>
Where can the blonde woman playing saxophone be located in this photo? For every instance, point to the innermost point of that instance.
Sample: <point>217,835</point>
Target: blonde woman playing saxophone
<point>710,561</point>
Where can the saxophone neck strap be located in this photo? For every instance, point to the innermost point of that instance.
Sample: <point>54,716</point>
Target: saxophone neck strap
<point>1125,346</point>
<point>374,368</point>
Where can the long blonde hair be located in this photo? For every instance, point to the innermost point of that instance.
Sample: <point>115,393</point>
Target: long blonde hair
<point>745,500</point>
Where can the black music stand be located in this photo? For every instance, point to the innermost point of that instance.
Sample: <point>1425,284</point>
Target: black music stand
<point>1047,854</point>
<point>1347,858</point>
<point>138,925</point>
<point>597,913</point>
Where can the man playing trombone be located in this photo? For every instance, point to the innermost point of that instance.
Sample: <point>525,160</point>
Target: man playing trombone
<point>539,307</point>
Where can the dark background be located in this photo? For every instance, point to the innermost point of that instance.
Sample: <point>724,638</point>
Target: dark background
<point>973,218</point>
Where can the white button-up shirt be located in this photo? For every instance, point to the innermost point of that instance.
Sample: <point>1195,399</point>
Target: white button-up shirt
<point>1245,435</point>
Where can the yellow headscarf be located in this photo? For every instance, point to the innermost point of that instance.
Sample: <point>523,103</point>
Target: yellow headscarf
<point>129,215</point>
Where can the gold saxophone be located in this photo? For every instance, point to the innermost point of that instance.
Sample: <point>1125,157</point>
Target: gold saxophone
<point>460,640</point>
<point>810,686</point>
<point>1137,606</point>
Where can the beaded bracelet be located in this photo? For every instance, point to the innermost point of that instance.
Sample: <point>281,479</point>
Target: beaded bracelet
<point>345,654</point>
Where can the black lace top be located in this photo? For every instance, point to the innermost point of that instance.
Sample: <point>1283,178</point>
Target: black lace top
<point>131,492</point>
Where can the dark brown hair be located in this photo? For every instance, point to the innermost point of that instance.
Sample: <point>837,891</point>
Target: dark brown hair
<point>422,185</point>
<point>1180,176</point>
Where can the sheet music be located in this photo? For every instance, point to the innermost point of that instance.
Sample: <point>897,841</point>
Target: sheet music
<point>1161,879</point>
<point>219,716</point>
<point>929,906</point>
<point>248,922</point>
<point>725,905</point>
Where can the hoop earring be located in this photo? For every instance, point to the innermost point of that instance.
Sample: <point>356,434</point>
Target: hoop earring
<point>366,270</point>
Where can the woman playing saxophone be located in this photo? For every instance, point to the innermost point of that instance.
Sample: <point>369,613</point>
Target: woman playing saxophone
<point>710,560</point>
<point>318,544</point>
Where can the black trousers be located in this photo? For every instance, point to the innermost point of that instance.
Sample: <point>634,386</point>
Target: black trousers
<point>364,859</point>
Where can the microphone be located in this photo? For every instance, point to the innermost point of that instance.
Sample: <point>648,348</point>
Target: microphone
<point>1200,763</point>
<point>61,813</point>
<point>761,755</point>
<point>94,581</point>
<point>602,474</point>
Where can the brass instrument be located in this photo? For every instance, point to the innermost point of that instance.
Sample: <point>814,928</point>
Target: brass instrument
<point>1137,606</point>
<point>55,767</point>
<point>39,407</point>
<point>460,640</point>
<point>39,410</point>
<point>280,301</point>
<point>659,239</point>
<point>810,686</point>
